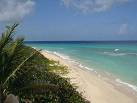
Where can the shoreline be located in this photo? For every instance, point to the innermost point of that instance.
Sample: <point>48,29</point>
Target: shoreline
<point>94,88</point>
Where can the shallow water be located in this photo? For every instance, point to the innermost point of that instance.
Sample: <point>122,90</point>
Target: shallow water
<point>116,58</point>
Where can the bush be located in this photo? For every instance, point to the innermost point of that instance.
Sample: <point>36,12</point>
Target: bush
<point>46,86</point>
<point>25,72</point>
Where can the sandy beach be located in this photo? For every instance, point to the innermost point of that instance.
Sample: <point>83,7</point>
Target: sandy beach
<point>93,87</point>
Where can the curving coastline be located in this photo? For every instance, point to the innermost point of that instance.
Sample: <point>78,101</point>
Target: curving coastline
<point>99,74</point>
<point>94,87</point>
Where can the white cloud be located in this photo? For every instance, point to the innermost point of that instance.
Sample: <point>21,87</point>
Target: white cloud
<point>124,28</point>
<point>92,5</point>
<point>14,10</point>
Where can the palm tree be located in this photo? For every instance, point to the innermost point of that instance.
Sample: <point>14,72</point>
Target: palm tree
<point>27,75</point>
<point>8,49</point>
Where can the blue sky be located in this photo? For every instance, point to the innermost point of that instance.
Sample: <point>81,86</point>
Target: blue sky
<point>55,20</point>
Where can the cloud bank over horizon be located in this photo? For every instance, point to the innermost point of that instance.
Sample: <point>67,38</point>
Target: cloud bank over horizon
<point>15,10</point>
<point>92,5</point>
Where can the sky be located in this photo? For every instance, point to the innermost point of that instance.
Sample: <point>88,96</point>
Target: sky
<point>71,20</point>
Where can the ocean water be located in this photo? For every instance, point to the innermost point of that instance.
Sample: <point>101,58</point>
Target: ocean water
<point>116,58</point>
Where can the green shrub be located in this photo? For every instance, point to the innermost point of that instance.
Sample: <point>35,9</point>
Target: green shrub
<point>25,72</point>
<point>58,90</point>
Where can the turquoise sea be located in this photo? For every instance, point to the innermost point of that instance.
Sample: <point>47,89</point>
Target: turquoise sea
<point>116,58</point>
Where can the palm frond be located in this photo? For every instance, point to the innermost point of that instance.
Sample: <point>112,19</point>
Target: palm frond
<point>7,36</point>
<point>13,74</point>
<point>13,47</point>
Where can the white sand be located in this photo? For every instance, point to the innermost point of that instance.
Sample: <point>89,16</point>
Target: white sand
<point>94,88</point>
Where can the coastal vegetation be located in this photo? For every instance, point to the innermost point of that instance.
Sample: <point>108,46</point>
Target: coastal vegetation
<point>26,73</point>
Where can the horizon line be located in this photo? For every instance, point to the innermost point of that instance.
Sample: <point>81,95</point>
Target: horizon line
<point>35,41</point>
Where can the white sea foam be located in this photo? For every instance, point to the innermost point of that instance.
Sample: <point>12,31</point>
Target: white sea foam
<point>85,67</point>
<point>35,48</point>
<point>127,84</point>
<point>58,54</point>
<point>62,55</point>
<point>65,57</point>
<point>119,54</point>
<point>82,66</point>
<point>116,50</point>
<point>114,54</point>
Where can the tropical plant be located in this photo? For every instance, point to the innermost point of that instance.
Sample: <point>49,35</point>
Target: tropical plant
<point>8,49</point>
<point>25,72</point>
